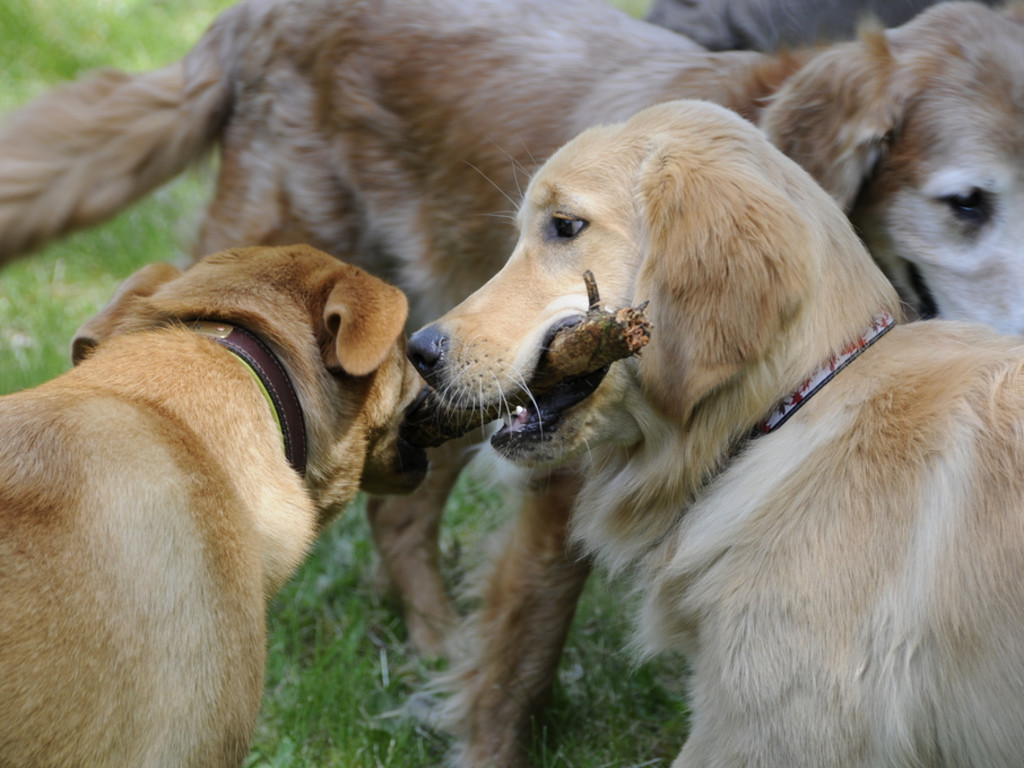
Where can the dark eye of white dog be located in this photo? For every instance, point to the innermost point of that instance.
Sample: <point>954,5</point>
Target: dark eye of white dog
<point>566,226</point>
<point>973,208</point>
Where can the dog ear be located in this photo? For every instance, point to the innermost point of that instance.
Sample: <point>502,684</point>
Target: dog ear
<point>835,116</point>
<point>363,317</point>
<point>141,284</point>
<point>723,273</point>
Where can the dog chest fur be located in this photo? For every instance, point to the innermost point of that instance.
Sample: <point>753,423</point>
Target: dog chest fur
<point>837,581</point>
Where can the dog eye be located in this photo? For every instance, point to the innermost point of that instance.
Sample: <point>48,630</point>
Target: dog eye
<point>566,226</point>
<point>973,208</point>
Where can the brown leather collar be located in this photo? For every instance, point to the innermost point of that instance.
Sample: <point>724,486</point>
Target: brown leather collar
<point>273,380</point>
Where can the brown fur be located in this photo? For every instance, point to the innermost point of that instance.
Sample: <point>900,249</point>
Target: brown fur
<point>401,134</point>
<point>847,588</point>
<point>148,512</point>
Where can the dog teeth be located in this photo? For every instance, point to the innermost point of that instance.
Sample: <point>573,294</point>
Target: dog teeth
<point>515,416</point>
<point>522,416</point>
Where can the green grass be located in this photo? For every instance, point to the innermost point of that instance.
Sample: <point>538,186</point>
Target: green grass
<point>45,297</point>
<point>338,673</point>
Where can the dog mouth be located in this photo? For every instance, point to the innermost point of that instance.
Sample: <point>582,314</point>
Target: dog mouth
<point>573,361</point>
<point>527,415</point>
<point>539,418</point>
<point>395,468</point>
<point>412,459</point>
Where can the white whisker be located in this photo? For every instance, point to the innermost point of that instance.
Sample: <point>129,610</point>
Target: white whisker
<point>494,184</point>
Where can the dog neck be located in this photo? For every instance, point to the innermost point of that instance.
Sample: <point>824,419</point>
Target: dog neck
<point>273,380</point>
<point>880,325</point>
<point>624,515</point>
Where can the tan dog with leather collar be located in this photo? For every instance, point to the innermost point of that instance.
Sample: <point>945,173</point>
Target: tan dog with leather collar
<point>148,510</point>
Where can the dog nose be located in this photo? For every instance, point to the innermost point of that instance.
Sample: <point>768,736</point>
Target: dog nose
<point>426,349</point>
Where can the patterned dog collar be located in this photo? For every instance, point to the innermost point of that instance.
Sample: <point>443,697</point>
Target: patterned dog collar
<point>881,324</point>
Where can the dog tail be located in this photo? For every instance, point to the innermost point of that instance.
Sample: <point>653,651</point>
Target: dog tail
<point>84,151</point>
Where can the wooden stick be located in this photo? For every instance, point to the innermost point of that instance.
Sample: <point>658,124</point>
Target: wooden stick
<point>598,340</point>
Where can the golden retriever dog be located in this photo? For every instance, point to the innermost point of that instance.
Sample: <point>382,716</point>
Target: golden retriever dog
<point>153,498</point>
<point>401,133</point>
<point>823,508</point>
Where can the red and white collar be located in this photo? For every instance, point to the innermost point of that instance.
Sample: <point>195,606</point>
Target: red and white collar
<point>880,325</point>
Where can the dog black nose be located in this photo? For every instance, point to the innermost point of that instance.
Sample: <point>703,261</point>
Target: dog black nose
<point>426,349</point>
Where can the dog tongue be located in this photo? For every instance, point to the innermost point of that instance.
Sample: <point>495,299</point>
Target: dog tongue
<point>567,372</point>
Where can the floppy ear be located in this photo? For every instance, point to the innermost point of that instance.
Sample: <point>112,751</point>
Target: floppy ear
<point>724,271</point>
<point>835,116</point>
<point>141,284</point>
<point>363,317</point>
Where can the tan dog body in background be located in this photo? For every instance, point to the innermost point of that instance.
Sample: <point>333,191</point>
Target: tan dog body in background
<point>148,512</point>
<point>400,132</point>
<point>395,131</point>
<point>849,588</point>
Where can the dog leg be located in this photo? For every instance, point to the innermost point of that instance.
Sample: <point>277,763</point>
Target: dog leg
<point>406,530</point>
<point>528,605</point>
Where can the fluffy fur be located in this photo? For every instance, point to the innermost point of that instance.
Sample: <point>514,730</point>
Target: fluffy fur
<point>847,588</point>
<point>355,126</point>
<point>401,133</point>
<point>148,512</point>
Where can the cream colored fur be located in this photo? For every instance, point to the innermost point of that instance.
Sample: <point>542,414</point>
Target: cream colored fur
<point>401,133</point>
<point>847,588</point>
<point>148,512</point>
